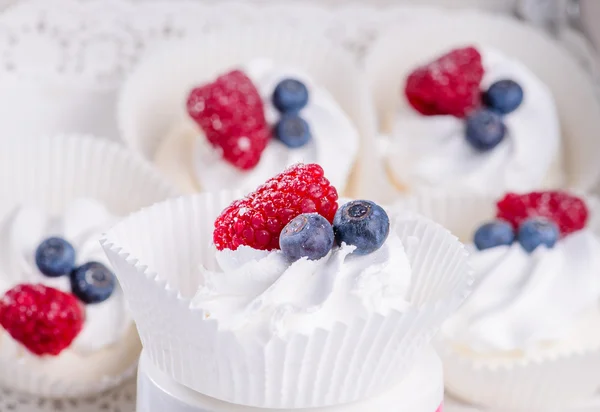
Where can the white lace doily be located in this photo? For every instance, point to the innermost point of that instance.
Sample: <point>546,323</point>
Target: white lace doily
<point>70,57</point>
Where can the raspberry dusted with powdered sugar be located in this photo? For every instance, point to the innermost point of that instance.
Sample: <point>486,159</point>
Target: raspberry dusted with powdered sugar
<point>43,319</point>
<point>230,112</point>
<point>258,219</point>
<point>450,85</point>
<point>569,212</point>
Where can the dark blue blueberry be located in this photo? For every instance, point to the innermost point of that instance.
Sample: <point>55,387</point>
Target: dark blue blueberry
<point>292,130</point>
<point>537,231</point>
<point>363,224</point>
<point>308,235</point>
<point>492,234</point>
<point>92,282</point>
<point>485,130</point>
<point>504,96</point>
<point>290,95</point>
<point>55,257</point>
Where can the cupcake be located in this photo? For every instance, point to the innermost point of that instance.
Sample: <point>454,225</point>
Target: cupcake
<point>76,336</point>
<point>243,290</point>
<point>467,109</point>
<point>241,106</point>
<point>525,339</point>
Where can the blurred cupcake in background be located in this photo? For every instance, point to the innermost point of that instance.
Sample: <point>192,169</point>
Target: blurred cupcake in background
<point>65,329</point>
<point>475,122</point>
<point>237,107</point>
<point>471,109</point>
<point>526,338</point>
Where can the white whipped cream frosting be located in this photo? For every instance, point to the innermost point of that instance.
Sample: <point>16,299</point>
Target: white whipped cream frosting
<point>334,143</point>
<point>527,301</point>
<point>263,292</point>
<point>82,223</point>
<point>432,151</point>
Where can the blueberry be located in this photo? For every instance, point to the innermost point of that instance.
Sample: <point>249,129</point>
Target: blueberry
<point>55,257</point>
<point>92,282</point>
<point>290,95</point>
<point>537,231</point>
<point>363,224</point>
<point>504,96</point>
<point>485,130</point>
<point>292,130</point>
<point>307,235</point>
<point>494,234</point>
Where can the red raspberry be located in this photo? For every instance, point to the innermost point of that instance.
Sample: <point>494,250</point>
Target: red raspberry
<point>448,85</point>
<point>258,219</point>
<point>569,212</point>
<point>230,112</point>
<point>43,319</point>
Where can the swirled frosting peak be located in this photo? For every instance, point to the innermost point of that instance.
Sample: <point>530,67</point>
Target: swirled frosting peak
<point>263,292</point>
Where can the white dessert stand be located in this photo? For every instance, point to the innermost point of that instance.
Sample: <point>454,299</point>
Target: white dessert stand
<point>157,392</point>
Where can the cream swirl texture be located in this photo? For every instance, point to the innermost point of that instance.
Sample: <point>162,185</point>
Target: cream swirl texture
<point>263,292</point>
<point>523,301</point>
<point>432,151</point>
<point>81,224</point>
<point>334,143</point>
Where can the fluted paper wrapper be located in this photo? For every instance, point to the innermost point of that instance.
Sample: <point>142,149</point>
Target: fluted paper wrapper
<point>51,172</point>
<point>391,60</point>
<point>148,109</point>
<point>28,378</point>
<point>156,254</point>
<point>461,214</point>
<point>555,383</point>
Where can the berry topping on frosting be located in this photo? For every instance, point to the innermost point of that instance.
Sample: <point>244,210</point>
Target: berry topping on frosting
<point>448,85</point>
<point>492,234</point>
<point>258,219</point>
<point>504,96</point>
<point>309,235</point>
<point>537,231</point>
<point>230,112</point>
<point>55,257</point>
<point>43,319</point>
<point>363,224</point>
<point>290,95</point>
<point>92,282</point>
<point>292,130</point>
<point>484,129</point>
<point>569,212</point>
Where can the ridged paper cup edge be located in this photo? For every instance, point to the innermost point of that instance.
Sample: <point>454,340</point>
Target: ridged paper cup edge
<point>550,382</point>
<point>24,379</point>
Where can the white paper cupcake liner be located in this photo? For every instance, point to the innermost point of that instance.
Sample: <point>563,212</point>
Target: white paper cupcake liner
<point>51,172</point>
<point>577,104</point>
<point>421,391</point>
<point>156,254</point>
<point>28,378</point>
<point>153,97</point>
<point>555,383</point>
